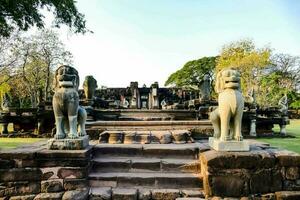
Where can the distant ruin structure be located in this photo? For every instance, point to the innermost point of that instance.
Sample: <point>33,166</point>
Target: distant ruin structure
<point>135,97</point>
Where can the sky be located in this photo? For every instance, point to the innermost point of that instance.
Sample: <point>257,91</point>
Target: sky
<point>147,40</point>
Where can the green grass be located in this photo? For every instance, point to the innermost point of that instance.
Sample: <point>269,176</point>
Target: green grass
<point>9,143</point>
<point>292,144</point>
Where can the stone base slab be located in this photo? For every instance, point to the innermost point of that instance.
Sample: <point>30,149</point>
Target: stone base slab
<point>68,144</point>
<point>231,145</point>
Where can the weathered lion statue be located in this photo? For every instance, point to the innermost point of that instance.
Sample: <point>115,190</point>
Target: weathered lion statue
<point>68,114</point>
<point>227,118</point>
<point>89,87</point>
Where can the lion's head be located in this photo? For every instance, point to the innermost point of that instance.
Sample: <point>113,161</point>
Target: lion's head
<point>66,77</point>
<point>228,78</point>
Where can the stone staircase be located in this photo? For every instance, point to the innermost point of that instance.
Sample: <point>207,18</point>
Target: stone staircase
<point>146,171</point>
<point>204,125</point>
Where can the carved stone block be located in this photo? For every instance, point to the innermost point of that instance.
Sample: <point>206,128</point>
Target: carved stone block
<point>231,145</point>
<point>69,144</point>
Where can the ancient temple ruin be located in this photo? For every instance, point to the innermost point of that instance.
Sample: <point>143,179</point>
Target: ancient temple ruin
<point>137,97</point>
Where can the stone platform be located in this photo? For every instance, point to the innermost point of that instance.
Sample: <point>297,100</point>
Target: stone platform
<point>231,145</point>
<point>68,144</point>
<point>261,172</point>
<point>144,114</point>
<point>149,125</point>
<point>34,172</point>
<point>198,128</point>
<point>149,171</point>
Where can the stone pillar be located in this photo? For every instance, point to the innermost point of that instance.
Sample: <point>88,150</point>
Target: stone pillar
<point>253,128</point>
<point>4,128</point>
<point>283,104</point>
<point>154,96</point>
<point>89,87</point>
<point>5,121</point>
<point>135,98</point>
<point>138,97</point>
<point>283,130</point>
<point>150,106</point>
<point>285,121</point>
<point>205,89</point>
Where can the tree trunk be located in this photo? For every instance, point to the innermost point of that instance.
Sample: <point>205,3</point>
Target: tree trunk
<point>47,82</point>
<point>33,99</point>
<point>21,102</point>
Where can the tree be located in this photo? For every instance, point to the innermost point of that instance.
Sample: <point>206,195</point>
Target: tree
<point>282,77</point>
<point>4,89</point>
<point>7,60</point>
<point>288,67</point>
<point>20,93</point>
<point>248,59</point>
<point>41,53</point>
<point>30,82</point>
<point>269,91</point>
<point>25,14</point>
<point>34,57</point>
<point>192,73</point>
<point>51,51</point>
<point>294,100</point>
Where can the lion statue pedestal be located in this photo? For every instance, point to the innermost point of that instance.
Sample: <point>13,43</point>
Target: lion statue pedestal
<point>69,116</point>
<point>227,118</point>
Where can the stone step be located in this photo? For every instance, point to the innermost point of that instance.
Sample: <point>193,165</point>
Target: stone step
<point>200,125</point>
<point>151,128</point>
<point>141,194</point>
<point>186,151</point>
<point>195,123</point>
<point>141,164</point>
<point>145,137</point>
<point>146,180</point>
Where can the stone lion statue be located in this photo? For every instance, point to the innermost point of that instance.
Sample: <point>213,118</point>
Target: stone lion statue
<point>89,87</point>
<point>227,118</point>
<point>68,114</point>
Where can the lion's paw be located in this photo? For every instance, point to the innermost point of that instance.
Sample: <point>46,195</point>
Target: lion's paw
<point>59,136</point>
<point>72,136</point>
<point>81,134</point>
<point>238,138</point>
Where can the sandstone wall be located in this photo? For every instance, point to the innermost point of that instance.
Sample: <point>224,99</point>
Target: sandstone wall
<point>264,173</point>
<point>37,173</point>
<point>260,172</point>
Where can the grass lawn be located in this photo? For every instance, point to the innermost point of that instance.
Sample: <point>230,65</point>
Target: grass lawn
<point>292,144</point>
<point>8,143</point>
